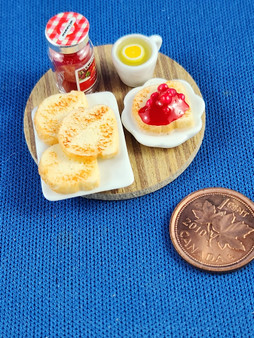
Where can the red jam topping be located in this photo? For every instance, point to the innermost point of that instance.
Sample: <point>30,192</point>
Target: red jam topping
<point>164,106</point>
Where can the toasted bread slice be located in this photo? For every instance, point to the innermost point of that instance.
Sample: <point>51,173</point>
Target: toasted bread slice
<point>65,175</point>
<point>89,133</point>
<point>52,110</point>
<point>185,121</point>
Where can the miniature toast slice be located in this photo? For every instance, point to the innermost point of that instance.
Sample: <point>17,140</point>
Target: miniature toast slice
<point>89,133</point>
<point>52,110</point>
<point>65,175</point>
<point>140,99</point>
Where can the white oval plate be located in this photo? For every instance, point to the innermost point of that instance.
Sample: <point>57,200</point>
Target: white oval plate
<point>174,138</point>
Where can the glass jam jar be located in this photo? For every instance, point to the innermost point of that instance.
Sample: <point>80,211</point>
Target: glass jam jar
<point>71,52</point>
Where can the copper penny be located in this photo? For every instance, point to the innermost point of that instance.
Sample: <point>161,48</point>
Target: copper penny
<point>213,229</point>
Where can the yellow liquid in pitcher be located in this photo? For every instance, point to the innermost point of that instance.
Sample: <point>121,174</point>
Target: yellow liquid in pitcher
<point>134,51</point>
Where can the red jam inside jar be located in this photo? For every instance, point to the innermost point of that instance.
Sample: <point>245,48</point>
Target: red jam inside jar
<point>71,52</point>
<point>163,107</point>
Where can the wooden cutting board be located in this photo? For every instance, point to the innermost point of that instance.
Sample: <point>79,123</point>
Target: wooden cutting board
<point>153,168</point>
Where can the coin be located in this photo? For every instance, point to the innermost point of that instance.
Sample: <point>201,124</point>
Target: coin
<point>213,229</point>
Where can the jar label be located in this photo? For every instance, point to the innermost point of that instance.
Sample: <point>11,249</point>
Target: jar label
<point>86,76</point>
<point>68,28</point>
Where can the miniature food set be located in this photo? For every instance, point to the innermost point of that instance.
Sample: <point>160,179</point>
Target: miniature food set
<point>160,108</point>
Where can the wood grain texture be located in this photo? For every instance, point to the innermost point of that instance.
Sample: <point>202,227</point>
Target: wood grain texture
<point>153,167</point>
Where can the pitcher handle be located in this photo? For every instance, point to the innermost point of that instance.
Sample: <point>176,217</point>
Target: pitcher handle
<point>157,39</point>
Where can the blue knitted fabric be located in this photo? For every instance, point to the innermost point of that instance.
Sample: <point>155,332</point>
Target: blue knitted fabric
<point>89,268</point>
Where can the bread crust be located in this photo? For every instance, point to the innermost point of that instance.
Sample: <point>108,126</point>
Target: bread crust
<point>51,112</point>
<point>89,133</point>
<point>185,121</point>
<point>64,175</point>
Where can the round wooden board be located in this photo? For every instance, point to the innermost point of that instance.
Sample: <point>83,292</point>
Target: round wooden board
<point>153,168</point>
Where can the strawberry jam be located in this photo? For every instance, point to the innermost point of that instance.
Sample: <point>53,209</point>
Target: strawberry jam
<point>76,71</point>
<point>163,107</point>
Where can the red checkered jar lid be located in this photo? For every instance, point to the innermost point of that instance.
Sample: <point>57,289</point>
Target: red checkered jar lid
<point>67,32</point>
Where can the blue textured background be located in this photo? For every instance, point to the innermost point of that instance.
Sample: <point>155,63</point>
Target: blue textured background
<point>85,268</point>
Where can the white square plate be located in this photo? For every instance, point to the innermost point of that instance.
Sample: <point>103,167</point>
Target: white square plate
<point>115,173</point>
